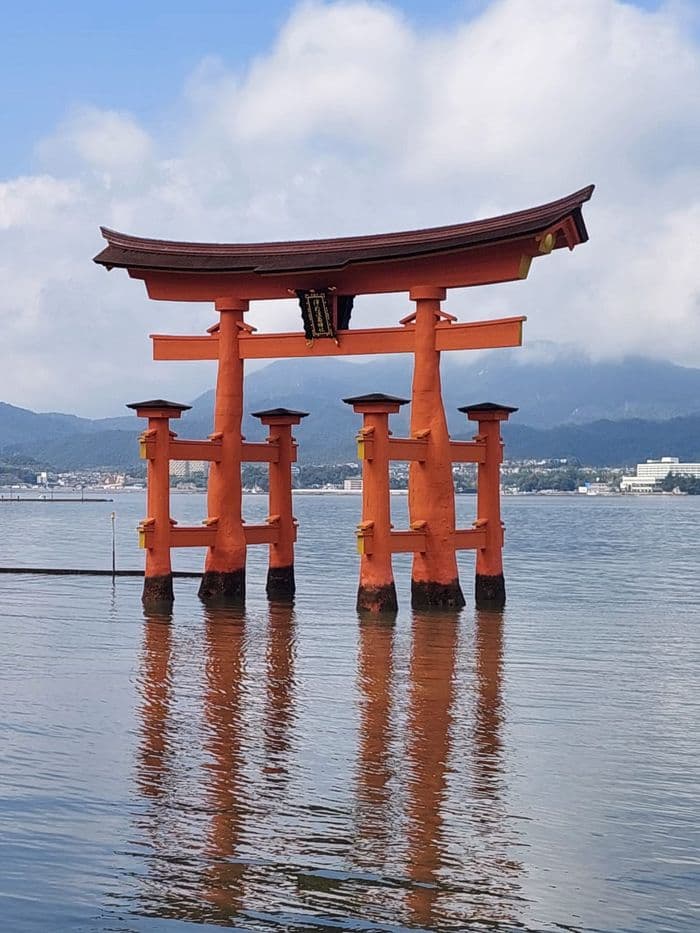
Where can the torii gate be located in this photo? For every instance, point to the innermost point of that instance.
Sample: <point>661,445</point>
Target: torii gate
<point>327,276</point>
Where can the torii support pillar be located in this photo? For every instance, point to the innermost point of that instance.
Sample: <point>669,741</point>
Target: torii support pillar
<point>280,573</point>
<point>223,581</point>
<point>489,586</point>
<point>376,592</point>
<point>155,446</point>
<point>431,494</point>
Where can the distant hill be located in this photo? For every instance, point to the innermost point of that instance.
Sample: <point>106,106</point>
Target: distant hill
<point>19,425</point>
<point>566,390</point>
<point>607,443</point>
<point>604,412</point>
<point>22,426</point>
<point>87,450</point>
<point>598,443</point>
<point>569,389</point>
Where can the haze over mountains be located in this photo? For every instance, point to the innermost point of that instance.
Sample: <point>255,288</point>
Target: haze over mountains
<point>646,408</point>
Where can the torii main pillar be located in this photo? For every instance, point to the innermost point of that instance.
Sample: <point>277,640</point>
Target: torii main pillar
<point>431,496</point>
<point>224,569</point>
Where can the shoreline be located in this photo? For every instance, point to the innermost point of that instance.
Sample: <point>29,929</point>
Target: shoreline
<point>68,494</point>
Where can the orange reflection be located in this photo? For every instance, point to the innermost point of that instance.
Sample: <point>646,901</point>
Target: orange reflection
<point>375,672</point>
<point>499,870</point>
<point>155,686</point>
<point>279,706</point>
<point>453,844</point>
<point>431,694</point>
<point>223,702</point>
<point>488,644</point>
<point>163,887</point>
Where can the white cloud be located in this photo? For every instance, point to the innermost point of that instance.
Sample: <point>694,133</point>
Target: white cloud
<point>354,121</point>
<point>23,199</point>
<point>107,140</point>
<point>340,74</point>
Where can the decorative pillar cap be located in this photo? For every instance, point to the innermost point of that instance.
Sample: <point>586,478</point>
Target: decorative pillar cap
<point>280,415</point>
<point>376,402</point>
<point>429,292</point>
<point>487,411</point>
<point>231,303</point>
<point>158,408</point>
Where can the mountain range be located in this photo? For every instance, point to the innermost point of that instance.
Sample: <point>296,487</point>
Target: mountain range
<point>614,413</point>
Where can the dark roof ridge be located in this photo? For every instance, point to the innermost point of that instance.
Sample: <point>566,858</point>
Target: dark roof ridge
<point>548,213</point>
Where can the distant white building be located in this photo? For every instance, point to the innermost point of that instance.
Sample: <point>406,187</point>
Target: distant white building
<point>186,469</point>
<point>353,484</point>
<point>650,473</point>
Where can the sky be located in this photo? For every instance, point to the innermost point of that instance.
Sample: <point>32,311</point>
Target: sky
<point>278,120</point>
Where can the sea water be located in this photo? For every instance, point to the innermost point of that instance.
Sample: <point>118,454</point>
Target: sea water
<point>294,769</point>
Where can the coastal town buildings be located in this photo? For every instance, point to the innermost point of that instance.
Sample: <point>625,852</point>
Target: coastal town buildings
<point>650,474</point>
<point>187,469</point>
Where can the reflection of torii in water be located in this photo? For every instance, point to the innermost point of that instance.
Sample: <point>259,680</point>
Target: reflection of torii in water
<point>385,781</point>
<point>213,889</point>
<point>169,886</point>
<point>402,822</point>
<point>226,791</point>
<point>327,275</point>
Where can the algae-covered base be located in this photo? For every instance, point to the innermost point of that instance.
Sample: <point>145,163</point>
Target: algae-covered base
<point>223,589</point>
<point>428,595</point>
<point>490,591</point>
<point>377,599</point>
<point>280,583</point>
<point>158,591</point>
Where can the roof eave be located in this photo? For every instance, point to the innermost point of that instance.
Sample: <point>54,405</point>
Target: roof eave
<point>133,253</point>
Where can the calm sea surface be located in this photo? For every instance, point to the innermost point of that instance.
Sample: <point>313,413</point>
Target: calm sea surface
<point>291,769</point>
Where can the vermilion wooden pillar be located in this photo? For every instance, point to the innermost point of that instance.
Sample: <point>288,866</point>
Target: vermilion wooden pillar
<point>377,592</point>
<point>224,570</point>
<point>280,574</point>
<point>155,442</point>
<point>490,588</point>
<point>435,582</point>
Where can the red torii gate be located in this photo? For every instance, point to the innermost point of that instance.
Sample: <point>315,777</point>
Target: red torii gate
<point>423,263</point>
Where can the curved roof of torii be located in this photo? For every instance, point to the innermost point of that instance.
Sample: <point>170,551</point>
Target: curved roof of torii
<point>143,256</point>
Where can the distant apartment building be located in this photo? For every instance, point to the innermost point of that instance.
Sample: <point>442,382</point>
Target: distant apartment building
<point>188,469</point>
<point>353,484</point>
<point>650,473</point>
